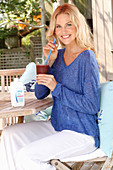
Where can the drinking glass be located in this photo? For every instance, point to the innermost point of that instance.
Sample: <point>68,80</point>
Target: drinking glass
<point>41,68</point>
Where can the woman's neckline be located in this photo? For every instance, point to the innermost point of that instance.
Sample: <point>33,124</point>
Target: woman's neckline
<point>77,55</point>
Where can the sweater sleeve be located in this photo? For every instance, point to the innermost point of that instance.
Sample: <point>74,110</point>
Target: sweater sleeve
<point>89,100</point>
<point>41,91</point>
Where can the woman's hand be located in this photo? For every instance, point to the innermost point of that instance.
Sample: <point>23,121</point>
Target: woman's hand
<point>54,53</point>
<point>47,80</point>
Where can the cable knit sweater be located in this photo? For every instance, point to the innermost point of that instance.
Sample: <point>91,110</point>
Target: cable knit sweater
<point>76,97</point>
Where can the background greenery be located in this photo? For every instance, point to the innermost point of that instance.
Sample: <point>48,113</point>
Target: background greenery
<point>24,10</point>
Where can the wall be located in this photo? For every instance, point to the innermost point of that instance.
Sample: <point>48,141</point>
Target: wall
<point>102,30</point>
<point>20,57</point>
<point>14,58</point>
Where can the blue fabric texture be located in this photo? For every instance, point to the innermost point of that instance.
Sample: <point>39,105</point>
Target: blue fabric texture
<point>105,118</point>
<point>76,97</point>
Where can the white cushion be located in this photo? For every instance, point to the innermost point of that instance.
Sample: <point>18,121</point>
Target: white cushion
<point>97,153</point>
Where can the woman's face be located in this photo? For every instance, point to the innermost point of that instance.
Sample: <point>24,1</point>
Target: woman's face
<point>65,29</point>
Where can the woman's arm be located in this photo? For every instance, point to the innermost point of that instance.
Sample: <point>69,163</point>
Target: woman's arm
<point>46,82</point>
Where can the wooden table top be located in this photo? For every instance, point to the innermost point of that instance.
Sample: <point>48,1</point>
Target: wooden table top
<point>32,105</point>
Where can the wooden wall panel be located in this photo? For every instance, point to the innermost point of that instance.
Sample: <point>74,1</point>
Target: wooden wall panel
<point>102,29</point>
<point>108,39</point>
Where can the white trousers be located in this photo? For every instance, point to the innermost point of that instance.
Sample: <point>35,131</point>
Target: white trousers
<point>30,146</point>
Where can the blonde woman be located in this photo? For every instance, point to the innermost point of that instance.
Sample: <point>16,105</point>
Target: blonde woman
<point>73,81</point>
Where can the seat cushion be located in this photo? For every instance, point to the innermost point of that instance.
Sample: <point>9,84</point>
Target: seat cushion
<point>98,153</point>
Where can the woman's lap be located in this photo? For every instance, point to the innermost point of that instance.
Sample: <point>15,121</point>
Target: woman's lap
<point>39,142</point>
<point>57,146</point>
<point>29,131</point>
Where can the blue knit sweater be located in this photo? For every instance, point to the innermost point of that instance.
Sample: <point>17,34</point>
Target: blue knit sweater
<point>76,97</point>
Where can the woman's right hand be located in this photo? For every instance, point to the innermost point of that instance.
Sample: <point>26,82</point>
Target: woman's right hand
<point>49,47</point>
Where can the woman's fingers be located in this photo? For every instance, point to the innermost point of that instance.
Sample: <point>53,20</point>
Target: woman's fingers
<point>47,80</point>
<point>49,47</point>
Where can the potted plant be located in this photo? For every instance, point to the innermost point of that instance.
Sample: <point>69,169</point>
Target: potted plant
<point>11,39</point>
<point>12,31</point>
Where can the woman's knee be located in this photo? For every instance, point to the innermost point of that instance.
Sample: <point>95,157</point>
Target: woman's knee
<point>25,160</point>
<point>8,131</point>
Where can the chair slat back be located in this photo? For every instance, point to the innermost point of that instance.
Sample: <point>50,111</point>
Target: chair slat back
<point>7,76</point>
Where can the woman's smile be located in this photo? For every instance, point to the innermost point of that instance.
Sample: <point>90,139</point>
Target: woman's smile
<point>65,36</point>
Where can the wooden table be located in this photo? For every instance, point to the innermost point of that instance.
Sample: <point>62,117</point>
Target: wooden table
<point>32,105</point>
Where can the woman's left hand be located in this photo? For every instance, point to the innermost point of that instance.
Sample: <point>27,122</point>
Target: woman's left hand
<point>47,80</point>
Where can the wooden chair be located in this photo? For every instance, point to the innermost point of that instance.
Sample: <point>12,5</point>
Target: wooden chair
<point>6,77</point>
<point>105,163</point>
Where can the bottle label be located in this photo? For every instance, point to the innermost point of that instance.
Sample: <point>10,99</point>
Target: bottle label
<point>19,96</point>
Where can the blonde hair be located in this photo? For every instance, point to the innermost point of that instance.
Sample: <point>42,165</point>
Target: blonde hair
<point>84,37</point>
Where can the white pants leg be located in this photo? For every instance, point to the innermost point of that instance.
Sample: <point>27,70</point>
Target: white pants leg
<point>32,145</point>
<point>17,136</point>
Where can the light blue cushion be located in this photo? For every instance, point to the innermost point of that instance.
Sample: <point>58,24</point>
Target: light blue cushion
<point>29,74</point>
<point>105,118</point>
<point>43,115</point>
<point>29,77</point>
